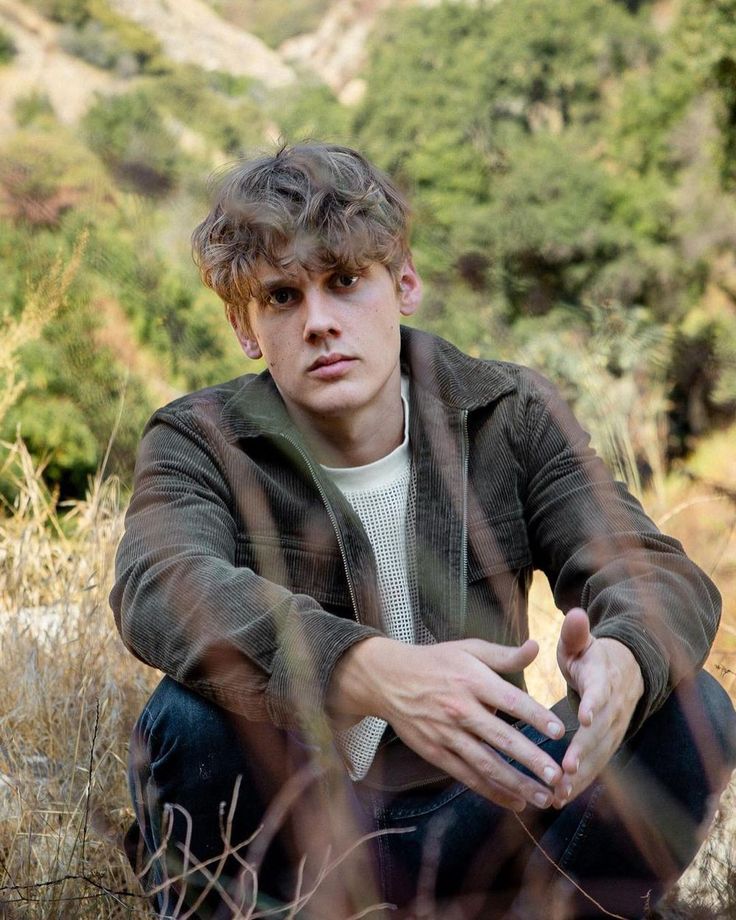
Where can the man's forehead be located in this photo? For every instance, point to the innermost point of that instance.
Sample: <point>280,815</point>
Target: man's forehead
<point>266,274</point>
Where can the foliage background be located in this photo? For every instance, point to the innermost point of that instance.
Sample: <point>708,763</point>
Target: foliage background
<point>572,168</point>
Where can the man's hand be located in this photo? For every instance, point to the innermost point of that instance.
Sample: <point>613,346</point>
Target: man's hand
<point>608,680</point>
<point>442,701</point>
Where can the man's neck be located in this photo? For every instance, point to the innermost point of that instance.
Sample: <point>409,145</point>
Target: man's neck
<point>356,441</point>
<point>355,438</point>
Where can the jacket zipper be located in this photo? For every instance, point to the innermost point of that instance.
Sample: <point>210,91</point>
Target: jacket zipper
<point>341,545</point>
<point>465,450</point>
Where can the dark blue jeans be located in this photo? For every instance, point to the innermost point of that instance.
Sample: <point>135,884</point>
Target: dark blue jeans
<point>206,782</point>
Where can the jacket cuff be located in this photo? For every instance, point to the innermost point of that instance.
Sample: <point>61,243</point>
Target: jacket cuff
<point>310,645</point>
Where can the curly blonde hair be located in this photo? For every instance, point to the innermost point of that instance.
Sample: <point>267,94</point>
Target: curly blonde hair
<point>318,206</point>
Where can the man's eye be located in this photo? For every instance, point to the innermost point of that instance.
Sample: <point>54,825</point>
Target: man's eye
<point>344,280</point>
<point>281,297</point>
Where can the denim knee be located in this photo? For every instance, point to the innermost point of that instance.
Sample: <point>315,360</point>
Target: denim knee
<point>176,720</point>
<point>721,715</point>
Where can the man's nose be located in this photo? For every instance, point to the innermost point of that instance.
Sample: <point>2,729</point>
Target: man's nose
<point>320,317</point>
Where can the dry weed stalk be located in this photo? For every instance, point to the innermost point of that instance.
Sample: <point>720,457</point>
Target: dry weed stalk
<point>41,306</point>
<point>243,899</point>
<point>69,695</point>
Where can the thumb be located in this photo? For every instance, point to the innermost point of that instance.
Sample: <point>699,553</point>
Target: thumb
<point>503,659</point>
<point>575,634</point>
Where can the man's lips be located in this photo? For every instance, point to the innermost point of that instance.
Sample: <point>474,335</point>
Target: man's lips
<point>331,365</point>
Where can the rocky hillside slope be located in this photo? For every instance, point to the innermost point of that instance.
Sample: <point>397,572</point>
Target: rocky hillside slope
<point>41,66</point>
<point>190,31</point>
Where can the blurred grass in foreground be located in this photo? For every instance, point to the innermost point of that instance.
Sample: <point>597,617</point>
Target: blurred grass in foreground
<point>71,692</point>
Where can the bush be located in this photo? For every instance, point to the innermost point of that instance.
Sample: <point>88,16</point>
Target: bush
<point>191,96</point>
<point>7,47</point>
<point>97,45</point>
<point>130,136</point>
<point>44,174</point>
<point>273,22</point>
<point>75,12</point>
<point>98,34</point>
<point>32,108</point>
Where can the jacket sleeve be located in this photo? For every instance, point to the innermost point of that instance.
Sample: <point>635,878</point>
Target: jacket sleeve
<point>183,606</point>
<point>601,552</point>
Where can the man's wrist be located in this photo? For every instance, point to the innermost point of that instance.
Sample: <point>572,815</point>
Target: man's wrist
<point>354,690</point>
<point>628,664</point>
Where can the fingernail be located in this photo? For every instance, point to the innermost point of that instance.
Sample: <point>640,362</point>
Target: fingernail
<point>541,799</point>
<point>555,730</point>
<point>549,774</point>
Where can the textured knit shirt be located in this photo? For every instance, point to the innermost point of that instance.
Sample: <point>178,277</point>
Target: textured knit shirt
<point>382,495</point>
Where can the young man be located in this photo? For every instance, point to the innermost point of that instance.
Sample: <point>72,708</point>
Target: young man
<point>333,557</point>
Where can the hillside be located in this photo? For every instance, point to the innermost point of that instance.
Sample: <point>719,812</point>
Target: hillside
<point>191,32</point>
<point>572,173</point>
<point>42,66</point>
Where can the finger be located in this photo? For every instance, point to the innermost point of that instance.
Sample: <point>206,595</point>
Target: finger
<point>580,769</point>
<point>499,694</point>
<point>585,743</point>
<point>482,785</point>
<point>591,701</point>
<point>504,659</point>
<point>595,689</point>
<point>572,785</point>
<point>488,765</point>
<point>509,741</point>
<point>591,745</point>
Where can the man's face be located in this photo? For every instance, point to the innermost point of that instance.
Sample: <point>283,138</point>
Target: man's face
<point>331,339</point>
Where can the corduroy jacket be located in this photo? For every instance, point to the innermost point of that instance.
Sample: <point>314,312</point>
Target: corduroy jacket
<point>244,573</point>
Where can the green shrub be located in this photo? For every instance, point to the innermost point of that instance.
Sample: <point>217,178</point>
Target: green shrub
<point>70,404</point>
<point>31,108</point>
<point>132,39</point>
<point>189,94</point>
<point>99,46</point>
<point>98,34</point>
<point>75,12</point>
<point>310,110</point>
<point>44,174</point>
<point>273,22</point>
<point>7,47</point>
<point>130,136</point>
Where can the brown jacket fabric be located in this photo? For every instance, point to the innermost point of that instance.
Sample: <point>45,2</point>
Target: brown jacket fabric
<point>244,573</point>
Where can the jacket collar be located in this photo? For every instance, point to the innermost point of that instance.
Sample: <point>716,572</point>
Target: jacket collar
<point>456,379</point>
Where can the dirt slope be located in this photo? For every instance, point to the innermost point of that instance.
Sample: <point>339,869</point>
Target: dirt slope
<point>42,66</point>
<point>336,50</point>
<point>190,31</point>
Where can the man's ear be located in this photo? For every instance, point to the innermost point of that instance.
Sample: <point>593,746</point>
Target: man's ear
<point>410,288</point>
<point>249,345</point>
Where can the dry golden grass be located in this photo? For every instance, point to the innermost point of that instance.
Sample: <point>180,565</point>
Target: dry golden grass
<point>69,693</point>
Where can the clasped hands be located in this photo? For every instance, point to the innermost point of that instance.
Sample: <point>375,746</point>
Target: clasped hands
<point>442,700</point>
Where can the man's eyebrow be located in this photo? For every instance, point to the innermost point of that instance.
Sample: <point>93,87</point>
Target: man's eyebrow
<point>274,282</point>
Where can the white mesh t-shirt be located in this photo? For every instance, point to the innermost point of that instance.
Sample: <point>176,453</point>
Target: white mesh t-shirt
<point>382,494</point>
